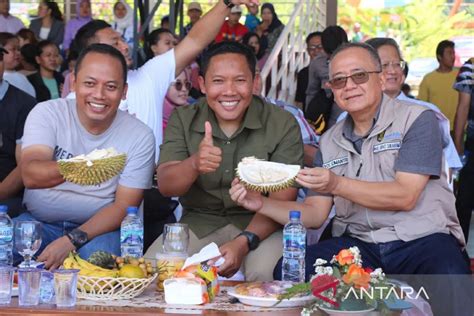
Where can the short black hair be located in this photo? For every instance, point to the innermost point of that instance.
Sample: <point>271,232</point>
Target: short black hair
<point>5,37</point>
<point>29,52</point>
<point>311,35</point>
<point>152,39</point>
<point>85,36</point>
<point>372,52</point>
<point>103,49</point>
<point>41,45</point>
<point>229,47</point>
<point>442,46</point>
<point>332,37</point>
<point>378,42</point>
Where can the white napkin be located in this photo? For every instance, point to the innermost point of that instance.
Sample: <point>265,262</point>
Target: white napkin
<point>208,252</point>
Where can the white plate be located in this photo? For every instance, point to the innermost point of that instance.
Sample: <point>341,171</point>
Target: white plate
<point>270,302</point>
<point>334,312</point>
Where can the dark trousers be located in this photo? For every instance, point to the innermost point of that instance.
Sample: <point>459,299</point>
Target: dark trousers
<point>437,254</point>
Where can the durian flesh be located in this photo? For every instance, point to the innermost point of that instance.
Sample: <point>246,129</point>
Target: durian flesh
<point>266,176</point>
<point>97,167</point>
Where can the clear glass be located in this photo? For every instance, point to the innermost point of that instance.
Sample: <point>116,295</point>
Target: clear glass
<point>6,283</point>
<point>65,287</point>
<point>176,238</point>
<point>29,280</point>
<point>47,287</point>
<point>27,235</point>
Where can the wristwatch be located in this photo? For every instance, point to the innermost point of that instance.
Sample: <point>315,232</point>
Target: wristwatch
<point>252,240</point>
<point>228,3</point>
<point>77,237</point>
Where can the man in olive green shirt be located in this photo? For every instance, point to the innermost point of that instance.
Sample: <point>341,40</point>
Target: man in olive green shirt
<point>202,146</point>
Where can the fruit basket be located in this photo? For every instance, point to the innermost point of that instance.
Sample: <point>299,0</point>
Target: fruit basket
<point>108,288</point>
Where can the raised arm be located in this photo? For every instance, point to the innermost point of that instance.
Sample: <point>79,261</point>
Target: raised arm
<point>460,120</point>
<point>12,183</point>
<point>38,170</point>
<point>203,33</point>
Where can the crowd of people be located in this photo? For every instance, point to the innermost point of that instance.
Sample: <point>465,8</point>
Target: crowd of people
<point>378,164</point>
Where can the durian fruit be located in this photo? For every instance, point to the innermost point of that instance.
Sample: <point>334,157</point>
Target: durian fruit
<point>103,259</point>
<point>266,176</point>
<point>94,168</point>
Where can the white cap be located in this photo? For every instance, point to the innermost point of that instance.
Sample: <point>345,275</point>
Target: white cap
<point>236,9</point>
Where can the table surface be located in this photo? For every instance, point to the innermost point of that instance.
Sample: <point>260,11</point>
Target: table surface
<point>14,309</point>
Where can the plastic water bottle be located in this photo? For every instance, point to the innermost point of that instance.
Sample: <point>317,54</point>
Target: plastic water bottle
<point>6,237</point>
<point>131,234</point>
<point>294,249</point>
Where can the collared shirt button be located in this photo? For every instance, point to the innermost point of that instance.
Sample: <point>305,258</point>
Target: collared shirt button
<point>227,171</point>
<point>227,142</point>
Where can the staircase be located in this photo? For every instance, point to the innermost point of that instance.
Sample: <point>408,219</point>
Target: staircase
<point>289,54</point>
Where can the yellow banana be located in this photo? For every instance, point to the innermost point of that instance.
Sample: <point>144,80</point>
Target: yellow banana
<point>84,264</point>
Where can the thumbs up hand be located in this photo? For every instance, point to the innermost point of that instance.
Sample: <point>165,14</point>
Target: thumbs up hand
<point>209,157</point>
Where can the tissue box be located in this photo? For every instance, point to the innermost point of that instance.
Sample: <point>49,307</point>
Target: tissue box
<point>185,291</point>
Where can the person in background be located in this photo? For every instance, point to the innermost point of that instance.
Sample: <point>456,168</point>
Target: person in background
<point>49,25</point>
<point>406,89</point>
<point>28,65</point>
<point>11,61</point>
<point>251,19</point>
<point>165,22</point>
<point>47,81</point>
<point>83,16</point>
<point>158,42</point>
<point>254,41</point>
<point>270,28</point>
<point>437,86</point>
<point>464,140</point>
<point>14,108</point>
<point>314,48</point>
<point>177,95</point>
<point>232,29</point>
<point>194,14</point>
<point>8,22</point>
<point>357,35</point>
<point>123,21</point>
<point>26,36</point>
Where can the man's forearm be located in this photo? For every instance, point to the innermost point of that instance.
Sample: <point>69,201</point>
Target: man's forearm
<point>11,185</point>
<point>38,174</point>
<point>106,220</point>
<point>460,120</point>
<point>262,226</point>
<point>175,179</point>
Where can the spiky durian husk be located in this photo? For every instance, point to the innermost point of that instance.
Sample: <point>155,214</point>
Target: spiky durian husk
<point>264,183</point>
<point>102,259</point>
<point>101,170</point>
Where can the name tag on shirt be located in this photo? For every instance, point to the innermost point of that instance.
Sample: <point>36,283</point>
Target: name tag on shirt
<point>336,162</point>
<point>387,146</point>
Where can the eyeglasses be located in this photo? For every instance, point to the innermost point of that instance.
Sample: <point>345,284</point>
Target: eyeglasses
<point>179,85</point>
<point>358,78</point>
<point>313,47</point>
<point>397,65</point>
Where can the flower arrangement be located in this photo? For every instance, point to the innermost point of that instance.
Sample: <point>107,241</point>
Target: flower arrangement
<point>344,284</point>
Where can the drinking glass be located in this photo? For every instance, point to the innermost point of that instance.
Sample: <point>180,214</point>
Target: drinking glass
<point>29,280</point>
<point>6,283</point>
<point>27,237</point>
<point>176,238</point>
<point>65,287</point>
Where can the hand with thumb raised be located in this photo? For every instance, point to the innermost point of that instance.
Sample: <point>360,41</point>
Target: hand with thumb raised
<point>209,157</point>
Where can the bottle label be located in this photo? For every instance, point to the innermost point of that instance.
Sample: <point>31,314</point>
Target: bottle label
<point>6,233</point>
<point>294,242</point>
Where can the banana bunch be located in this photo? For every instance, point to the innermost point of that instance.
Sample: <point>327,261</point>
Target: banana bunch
<point>73,261</point>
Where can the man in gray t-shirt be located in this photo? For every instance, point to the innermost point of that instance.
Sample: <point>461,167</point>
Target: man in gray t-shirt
<point>74,217</point>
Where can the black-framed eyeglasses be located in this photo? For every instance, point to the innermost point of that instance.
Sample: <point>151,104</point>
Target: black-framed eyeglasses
<point>179,85</point>
<point>397,65</point>
<point>359,77</point>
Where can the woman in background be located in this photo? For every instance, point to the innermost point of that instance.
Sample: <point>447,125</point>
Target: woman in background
<point>49,25</point>
<point>177,95</point>
<point>270,28</point>
<point>123,21</point>
<point>253,41</point>
<point>28,65</point>
<point>158,42</point>
<point>84,15</point>
<point>47,81</point>
<point>26,36</point>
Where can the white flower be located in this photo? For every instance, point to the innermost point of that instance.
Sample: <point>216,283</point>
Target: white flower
<point>320,262</point>
<point>329,270</point>
<point>377,274</point>
<point>320,270</point>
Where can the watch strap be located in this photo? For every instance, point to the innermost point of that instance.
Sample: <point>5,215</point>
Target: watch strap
<point>253,241</point>
<point>77,237</point>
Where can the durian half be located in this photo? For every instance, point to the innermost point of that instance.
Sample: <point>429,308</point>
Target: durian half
<point>266,176</point>
<point>94,168</point>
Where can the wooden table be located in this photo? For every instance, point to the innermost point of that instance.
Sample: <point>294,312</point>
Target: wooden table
<point>14,309</point>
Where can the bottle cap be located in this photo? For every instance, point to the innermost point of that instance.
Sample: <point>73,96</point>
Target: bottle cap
<point>3,208</point>
<point>132,210</point>
<point>295,214</point>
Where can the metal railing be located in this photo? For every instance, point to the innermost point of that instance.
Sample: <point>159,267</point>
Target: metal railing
<point>289,53</point>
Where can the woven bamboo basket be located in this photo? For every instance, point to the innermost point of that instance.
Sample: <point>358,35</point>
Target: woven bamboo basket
<point>99,289</point>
